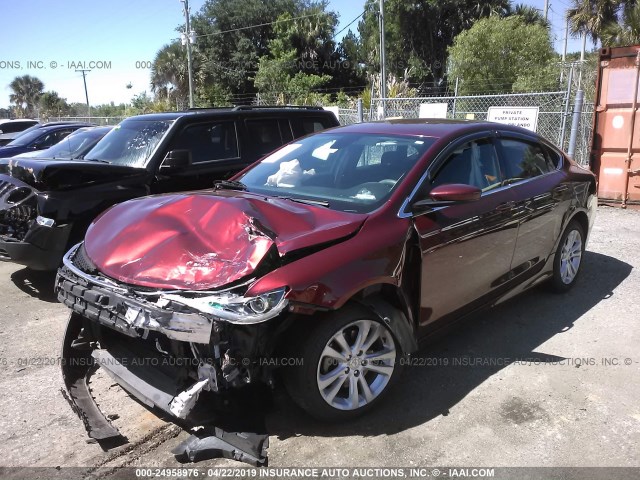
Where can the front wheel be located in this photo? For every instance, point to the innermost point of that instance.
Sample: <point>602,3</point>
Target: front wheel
<point>349,362</point>
<point>568,258</point>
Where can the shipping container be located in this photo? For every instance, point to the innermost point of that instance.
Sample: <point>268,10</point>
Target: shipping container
<point>615,150</point>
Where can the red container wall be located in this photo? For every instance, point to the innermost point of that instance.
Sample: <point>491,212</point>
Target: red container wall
<point>615,156</point>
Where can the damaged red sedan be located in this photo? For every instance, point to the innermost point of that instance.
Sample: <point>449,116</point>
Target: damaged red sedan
<point>335,254</point>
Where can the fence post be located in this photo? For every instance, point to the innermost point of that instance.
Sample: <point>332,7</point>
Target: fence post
<point>455,97</point>
<point>360,111</point>
<point>565,113</point>
<point>575,123</point>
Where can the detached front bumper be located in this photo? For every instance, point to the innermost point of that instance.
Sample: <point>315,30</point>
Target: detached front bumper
<point>164,353</point>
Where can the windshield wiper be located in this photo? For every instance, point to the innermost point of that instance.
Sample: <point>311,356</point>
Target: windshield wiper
<point>307,201</point>
<point>229,185</point>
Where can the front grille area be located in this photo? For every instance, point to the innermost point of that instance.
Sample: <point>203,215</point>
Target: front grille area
<point>83,262</point>
<point>5,187</point>
<point>17,209</point>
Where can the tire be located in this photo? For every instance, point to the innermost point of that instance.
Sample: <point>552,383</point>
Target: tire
<point>322,384</point>
<point>568,258</point>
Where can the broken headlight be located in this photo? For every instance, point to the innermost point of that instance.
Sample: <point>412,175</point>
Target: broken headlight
<point>237,308</point>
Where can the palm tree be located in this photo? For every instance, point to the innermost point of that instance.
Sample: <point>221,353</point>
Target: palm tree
<point>531,15</point>
<point>169,76</point>
<point>627,32</point>
<point>26,94</point>
<point>593,17</point>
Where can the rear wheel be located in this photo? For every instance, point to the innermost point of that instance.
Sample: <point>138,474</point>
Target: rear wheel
<point>349,362</point>
<point>568,258</point>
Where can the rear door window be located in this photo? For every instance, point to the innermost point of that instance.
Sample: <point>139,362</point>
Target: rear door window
<point>312,125</point>
<point>208,142</point>
<point>523,160</point>
<point>265,134</point>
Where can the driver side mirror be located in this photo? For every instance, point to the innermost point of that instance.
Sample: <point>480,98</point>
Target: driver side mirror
<point>448,194</point>
<point>175,161</point>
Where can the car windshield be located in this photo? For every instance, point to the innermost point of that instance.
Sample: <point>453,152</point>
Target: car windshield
<point>344,171</point>
<point>130,143</point>
<point>73,145</point>
<point>26,138</point>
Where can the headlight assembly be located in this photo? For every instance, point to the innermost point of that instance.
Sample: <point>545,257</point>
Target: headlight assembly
<point>236,308</point>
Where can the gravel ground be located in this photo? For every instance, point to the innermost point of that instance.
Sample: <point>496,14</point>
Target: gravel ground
<point>550,380</point>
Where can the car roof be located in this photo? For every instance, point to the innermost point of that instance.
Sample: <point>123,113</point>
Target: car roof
<point>57,126</point>
<point>427,127</point>
<point>7,120</point>
<point>234,111</point>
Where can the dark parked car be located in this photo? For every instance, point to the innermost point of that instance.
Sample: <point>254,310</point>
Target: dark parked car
<point>74,145</point>
<point>47,205</point>
<point>337,252</point>
<point>39,138</point>
<point>11,129</point>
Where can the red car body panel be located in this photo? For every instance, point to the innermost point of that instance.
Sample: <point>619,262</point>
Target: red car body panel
<point>203,240</point>
<point>330,277</point>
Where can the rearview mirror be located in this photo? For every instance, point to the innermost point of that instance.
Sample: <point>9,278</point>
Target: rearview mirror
<point>176,161</point>
<point>448,194</point>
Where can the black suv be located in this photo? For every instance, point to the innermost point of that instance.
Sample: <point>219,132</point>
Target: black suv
<point>47,205</point>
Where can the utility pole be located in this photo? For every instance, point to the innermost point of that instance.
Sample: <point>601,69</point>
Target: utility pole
<point>188,37</point>
<point>84,78</point>
<point>546,10</point>
<point>383,66</point>
<point>566,38</point>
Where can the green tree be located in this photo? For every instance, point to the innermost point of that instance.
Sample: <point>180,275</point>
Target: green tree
<point>52,105</point>
<point>229,44</point>
<point>169,75</point>
<point>350,69</point>
<point>142,103</point>
<point>418,33</point>
<point>529,14</point>
<point>503,54</point>
<point>592,17</point>
<point>109,110</point>
<point>26,92</point>
<point>298,55</point>
<point>626,31</point>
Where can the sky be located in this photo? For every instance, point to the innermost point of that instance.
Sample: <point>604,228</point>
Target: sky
<point>118,39</point>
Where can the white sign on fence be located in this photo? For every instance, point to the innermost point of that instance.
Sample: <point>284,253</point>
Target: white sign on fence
<point>433,110</point>
<point>335,110</point>
<point>525,117</point>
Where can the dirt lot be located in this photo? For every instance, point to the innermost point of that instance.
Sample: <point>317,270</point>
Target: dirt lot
<point>544,380</point>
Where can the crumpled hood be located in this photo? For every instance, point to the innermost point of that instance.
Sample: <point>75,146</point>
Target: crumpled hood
<point>204,240</point>
<point>48,174</point>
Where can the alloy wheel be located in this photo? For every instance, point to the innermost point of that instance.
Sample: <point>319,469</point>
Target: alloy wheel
<point>356,365</point>
<point>570,256</point>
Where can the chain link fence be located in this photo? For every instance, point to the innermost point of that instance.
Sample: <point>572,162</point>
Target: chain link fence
<point>555,113</point>
<point>101,121</point>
